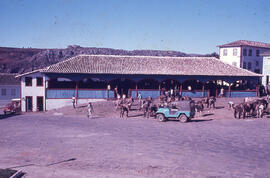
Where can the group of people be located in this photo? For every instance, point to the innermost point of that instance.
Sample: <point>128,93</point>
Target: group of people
<point>90,109</point>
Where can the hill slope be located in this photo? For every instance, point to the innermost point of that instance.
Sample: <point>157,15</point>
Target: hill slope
<point>20,60</point>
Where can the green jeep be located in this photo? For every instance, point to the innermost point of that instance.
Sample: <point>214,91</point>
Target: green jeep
<point>181,110</point>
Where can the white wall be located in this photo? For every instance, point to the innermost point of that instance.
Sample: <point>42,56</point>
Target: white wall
<point>230,58</point>
<point>33,90</point>
<point>266,69</point>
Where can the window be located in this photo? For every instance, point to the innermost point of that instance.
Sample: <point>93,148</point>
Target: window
<point>28,81</point>
<point>257,52</point>
<point>249,65</point>
<point>234,64</point>
<point>225,52</point>
<point>257,63</point>
<point>250,52</point>
<point>257,71</point>
<point>235,52</point>
<point>13,92</point>
<point>4,92</point>
<point>245,52</point>
<point>39,81</point>
<point>244,65</point>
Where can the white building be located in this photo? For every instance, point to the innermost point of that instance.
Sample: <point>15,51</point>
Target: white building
<point>266,68</point>
<point>244,54</point>
<point>9,88</point>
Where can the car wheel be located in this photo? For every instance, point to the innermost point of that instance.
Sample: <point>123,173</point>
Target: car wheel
<point>183,118</point>
<point>161,117</point>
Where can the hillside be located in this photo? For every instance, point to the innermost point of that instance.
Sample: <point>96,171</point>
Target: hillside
<point>20,60</point>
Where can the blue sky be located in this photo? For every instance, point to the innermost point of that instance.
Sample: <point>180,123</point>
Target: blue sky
<point>191,26</point>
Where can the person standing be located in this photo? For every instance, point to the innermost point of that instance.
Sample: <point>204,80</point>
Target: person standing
<point>221,92</point>
<point>73,101</point>
<point>115,92</point>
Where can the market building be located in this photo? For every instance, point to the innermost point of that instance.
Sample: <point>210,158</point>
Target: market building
<point>104,76</point>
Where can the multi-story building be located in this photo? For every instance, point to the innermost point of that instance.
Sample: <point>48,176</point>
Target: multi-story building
<point>244,54</point>
<point>9,88</point>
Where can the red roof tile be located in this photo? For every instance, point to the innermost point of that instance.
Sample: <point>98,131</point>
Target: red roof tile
<point>246,43</point>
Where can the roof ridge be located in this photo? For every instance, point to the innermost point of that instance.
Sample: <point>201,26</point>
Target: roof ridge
<point>111,55</point>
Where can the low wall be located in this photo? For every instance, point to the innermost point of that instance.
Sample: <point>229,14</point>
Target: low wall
<point>251,93</point>
<point>145,93</point>
<point>59,103</point>
<point>60,93</point>
<point>194,94</point>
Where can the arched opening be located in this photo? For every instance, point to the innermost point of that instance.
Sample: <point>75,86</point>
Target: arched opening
<point>122,86</point>
<point>61,83</point>
<point>148,84</point>
<point>243,85</point>
<point>170,85</point>
<point>92,83</point>
<point>192,85</point>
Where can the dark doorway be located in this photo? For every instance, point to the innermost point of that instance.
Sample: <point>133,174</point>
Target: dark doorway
<point>211,86</point>
<point>28,103</point>
<point>39,103</point>
<point>122,86</point>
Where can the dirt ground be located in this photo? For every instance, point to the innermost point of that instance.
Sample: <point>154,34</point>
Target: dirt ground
<point>65,143</point>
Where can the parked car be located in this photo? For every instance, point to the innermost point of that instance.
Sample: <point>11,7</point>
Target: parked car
<point>13,107</point>
<point>181,110</point>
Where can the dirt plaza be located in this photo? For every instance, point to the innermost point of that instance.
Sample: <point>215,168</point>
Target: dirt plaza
<point>65,143</point>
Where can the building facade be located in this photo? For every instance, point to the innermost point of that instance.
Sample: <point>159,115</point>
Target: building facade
<point>9,88</point>
<point>266,68</point>
<point>244,54</point>
<point>92,77</point>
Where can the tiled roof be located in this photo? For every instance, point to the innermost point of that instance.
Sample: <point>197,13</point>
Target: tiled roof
<point>147,65</point>
<point>8,79</point>
<point>246,43</point>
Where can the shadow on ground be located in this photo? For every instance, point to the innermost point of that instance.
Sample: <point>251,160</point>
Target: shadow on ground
<point>3,116</point>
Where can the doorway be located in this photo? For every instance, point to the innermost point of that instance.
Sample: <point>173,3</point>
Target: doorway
<point>29,103</point>
<point>39,103</point>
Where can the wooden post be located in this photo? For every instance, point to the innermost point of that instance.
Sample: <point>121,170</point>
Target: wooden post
<point>203,90</point>
<point>257,91</point>
<point>136,90</point>
<point>107,93</point>
<point>77,93</point>
<point>181,89</point>
<point>159,89</point>
<point>229,90</point>
<point>216,92</point>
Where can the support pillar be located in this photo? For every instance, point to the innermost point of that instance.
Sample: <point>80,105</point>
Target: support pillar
<point>136,90</point>
<point>229,90</point>
<point>77,93</point>
<point>159,89</point>
<point>181,89</point>
<point>203,90</point>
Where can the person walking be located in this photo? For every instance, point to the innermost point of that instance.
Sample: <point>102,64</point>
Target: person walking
<point>73,101</point>
<point>90,110</point>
